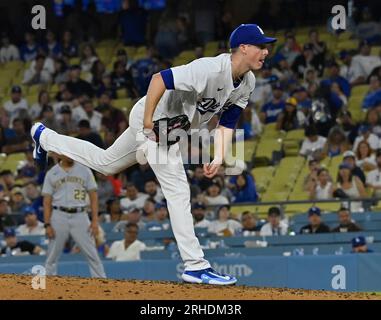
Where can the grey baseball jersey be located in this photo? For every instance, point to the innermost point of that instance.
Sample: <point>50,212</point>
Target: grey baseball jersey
<point>69,188</point>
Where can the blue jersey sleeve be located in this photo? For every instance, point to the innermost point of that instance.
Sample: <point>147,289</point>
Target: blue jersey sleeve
<point>230,117</point>
<point>167,76</point>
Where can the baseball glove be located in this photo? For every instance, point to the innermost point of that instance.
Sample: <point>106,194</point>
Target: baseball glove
<point>167,131</point>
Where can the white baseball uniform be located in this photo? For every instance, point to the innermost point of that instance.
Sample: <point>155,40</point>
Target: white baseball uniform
<point>200,90</point>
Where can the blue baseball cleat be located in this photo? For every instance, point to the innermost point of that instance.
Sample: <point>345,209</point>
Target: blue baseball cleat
<point>39,154</point>
<point>208,276</point>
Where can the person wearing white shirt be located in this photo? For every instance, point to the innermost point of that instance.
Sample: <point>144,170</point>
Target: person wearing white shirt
<point>213,195</point>
<point>198,212</point>
<point>322,188</point>
<point>153,191</point>
<point>365,159</point>
<point>313,144</point>
<point>36,74</point>
<point>263,90</point>
<point>93,116</point>
<point>32,226</point>
<point>373,178</point>
<point>365,134</point>
<point>8,51</point>
<point>88,58</point>
<point>348,70</point>
<point>129,248</point>
<point>133,198</point>
<point>43,100</point>
<point>48,65</point>
<point>364,62</point>
<point>17,104</point>
<point>275,226</point>
<point>224,226</point>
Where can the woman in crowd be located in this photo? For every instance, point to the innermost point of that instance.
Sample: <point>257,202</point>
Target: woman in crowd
<point>365,158</point>
<point>61,71</point>
<point>213,195</point>
<point>224,225</point>
<point>43,100</point>
<point>244,188</point>
<point>290,118</point>
<point>373,119</point>
<point>113,211</point>
<point>322,188</point>
<point>88,58</point>
<point>337,143</point>
<point>349,187</point>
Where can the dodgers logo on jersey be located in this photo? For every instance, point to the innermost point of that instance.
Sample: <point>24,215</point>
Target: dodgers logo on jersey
<point>207,105</point>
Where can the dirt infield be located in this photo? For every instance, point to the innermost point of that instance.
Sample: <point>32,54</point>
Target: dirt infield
<point>57,288</point>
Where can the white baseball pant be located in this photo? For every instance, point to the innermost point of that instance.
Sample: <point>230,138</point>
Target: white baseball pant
<point>123,154</point>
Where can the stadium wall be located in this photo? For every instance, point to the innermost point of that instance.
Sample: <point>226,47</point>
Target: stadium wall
<point>343,273</point>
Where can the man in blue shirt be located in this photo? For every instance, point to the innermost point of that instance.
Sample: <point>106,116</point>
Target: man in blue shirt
<point>28,51</point>
<point>334,76</point>
<point>270,111</point>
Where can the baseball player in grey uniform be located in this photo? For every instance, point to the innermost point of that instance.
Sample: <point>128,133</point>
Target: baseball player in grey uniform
<point>65,191</point>
<point>199,90</point>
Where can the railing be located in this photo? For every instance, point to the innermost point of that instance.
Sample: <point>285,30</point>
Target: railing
<point>367,203</point>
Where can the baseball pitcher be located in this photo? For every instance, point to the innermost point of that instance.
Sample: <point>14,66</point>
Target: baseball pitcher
<point>186,96</point>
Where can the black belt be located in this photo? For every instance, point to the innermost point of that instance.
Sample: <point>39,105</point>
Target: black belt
<point>70,210</point>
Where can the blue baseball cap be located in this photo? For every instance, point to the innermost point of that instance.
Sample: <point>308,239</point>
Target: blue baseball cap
<point>198,205</point>
<point>314,211</point>
<point>9,232</point>
<point>358,242</point>
<point>28,210</point>
<point>160,205</point>
<point>364,128</point>
<point>344,166</point>
<point>248,34</point>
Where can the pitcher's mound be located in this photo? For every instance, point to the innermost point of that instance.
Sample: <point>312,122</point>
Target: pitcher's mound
<point>20,287</point>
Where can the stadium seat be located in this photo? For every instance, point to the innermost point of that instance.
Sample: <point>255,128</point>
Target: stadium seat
<point>13,65</point>
<point>35,89</point>
<point>270,196</point>
<point>347,45</point>
<point>74,61</point>
<point>124,104</point>
<point>12,161</point>
<point>344,36</point>
<point>263,176</point>
<point>121,93</point>
<point>375,51</point>
<point>359,91</point>
<point>86,76</point>
<point>270,131</point>
<point>267,146</point>
<point>178,61</point>
<point>211,45</point>
<point>238,210</point>
<point>32,99</point>
<point>54,88</point>
<point>187,56</point>
<point>302,39</point>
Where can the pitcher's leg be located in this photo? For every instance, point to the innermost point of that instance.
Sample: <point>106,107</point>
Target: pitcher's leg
<point>56,245</point>
<point>117,157</point>
<point>79,230</point>
<point>175,187</point>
